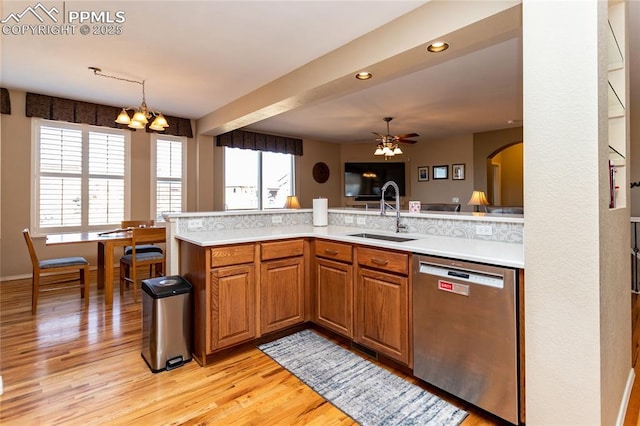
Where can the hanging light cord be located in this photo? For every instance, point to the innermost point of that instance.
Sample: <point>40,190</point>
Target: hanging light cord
<point>98,72</point>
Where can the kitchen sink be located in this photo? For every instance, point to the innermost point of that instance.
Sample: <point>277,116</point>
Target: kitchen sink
<point>382,237</point>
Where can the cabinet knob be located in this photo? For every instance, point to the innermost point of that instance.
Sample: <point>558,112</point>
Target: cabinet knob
<point>380,262</point>
<point>331,252</point>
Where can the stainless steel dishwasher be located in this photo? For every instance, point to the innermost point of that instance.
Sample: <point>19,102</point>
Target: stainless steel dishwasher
<point>465,330</point>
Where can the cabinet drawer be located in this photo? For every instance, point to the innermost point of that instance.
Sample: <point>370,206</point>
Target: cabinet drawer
<point>280,249</point>
<point>232,255</point>
<point>385,260</point>
<point>335,251</point>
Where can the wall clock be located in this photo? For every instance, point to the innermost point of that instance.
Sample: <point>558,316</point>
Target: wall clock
<point>320,172</point>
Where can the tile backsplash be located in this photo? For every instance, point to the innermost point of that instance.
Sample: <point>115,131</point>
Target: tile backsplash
<point>458,226</point>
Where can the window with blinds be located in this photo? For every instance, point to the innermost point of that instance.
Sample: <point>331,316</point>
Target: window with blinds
<point>169,179</point>
<point>79,179</point>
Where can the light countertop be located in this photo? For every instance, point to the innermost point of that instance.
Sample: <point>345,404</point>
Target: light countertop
<point>490,252</point>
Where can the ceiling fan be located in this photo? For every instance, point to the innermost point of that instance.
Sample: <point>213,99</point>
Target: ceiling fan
<point>388,144</point>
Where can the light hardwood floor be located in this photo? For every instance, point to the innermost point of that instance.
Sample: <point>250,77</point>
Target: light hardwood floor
<point>71,364</point>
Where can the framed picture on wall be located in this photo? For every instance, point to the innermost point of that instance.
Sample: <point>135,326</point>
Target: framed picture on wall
<point>457,171</point>
<point>423,174</point>
<point>440,172</point>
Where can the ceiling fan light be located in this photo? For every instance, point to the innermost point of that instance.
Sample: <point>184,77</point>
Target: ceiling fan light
<point>397,150</point>
<point>123,117</point>
<point>387,151</point>
<point>379,151</point>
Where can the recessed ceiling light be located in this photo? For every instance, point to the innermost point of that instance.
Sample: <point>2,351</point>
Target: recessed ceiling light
<point>438,46</point>
<point>364,75</point>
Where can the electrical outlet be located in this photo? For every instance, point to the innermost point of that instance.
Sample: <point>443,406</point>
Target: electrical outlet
<point>276,219</point>
<point>362,221</point>
<point>194,224</point>
<point>484,230</point>
<point>455,200</point>
<point>348,220</point>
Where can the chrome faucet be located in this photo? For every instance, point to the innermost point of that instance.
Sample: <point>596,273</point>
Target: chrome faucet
<point>383,205</point>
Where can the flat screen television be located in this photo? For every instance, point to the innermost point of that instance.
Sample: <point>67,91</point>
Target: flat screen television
<point>365,180</point>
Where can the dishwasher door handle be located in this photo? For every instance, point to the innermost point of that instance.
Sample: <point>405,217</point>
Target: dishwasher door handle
<point>470,277</point>
<point>458,274</point>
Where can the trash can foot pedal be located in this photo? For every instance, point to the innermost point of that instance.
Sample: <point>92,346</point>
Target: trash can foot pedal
<point>175,362</point>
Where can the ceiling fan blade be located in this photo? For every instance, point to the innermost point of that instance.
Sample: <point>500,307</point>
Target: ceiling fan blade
<point>377,134</point>
<point>406,141</point>
<point>408,135</point>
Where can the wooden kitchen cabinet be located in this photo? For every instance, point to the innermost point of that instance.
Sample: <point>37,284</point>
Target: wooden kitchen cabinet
<point>233,305</point>
<point>334,287</point>
<point>382,303</point>
<point>282,290</point>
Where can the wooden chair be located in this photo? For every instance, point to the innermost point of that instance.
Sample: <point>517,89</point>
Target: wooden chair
<point>129,263</point>
<point>57,266</point>
<point>140,224</point>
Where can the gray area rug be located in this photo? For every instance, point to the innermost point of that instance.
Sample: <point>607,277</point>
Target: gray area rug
<point>369,394</point>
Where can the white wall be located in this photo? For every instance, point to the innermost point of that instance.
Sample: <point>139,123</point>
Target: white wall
<point>577,300</point>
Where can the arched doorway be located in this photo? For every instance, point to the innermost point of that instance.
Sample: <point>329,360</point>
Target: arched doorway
<point>505,176</point>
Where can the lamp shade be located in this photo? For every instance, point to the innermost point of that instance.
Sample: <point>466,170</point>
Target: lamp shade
<point>136,125</point>
<point>161,121</point>
<point>292,202</point>
<point>140,117</point>
<point>123,117</point>
<point>478,199</point>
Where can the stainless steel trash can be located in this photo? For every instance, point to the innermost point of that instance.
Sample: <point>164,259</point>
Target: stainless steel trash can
<point>166,322</point>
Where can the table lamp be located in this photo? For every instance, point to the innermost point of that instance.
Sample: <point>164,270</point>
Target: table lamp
<point>292,202</point>
<point>478,199</point>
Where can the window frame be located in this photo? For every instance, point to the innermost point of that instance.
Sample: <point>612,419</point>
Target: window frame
<point>260,180</point>
<point>153,202</point>
<point>85,129</point>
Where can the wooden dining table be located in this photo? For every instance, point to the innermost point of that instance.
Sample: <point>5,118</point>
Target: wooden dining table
<point>107,242</point>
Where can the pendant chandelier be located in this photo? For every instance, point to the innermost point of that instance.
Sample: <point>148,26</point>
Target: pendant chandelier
<point>141,114</point>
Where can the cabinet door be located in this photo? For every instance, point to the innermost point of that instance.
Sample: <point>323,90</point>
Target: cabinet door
<point>334,301</point>
<point>382,313</point>
<point>281,294</point>
<point>233,306</point>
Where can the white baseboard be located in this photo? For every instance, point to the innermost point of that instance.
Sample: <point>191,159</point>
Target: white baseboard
<point>624,404</point>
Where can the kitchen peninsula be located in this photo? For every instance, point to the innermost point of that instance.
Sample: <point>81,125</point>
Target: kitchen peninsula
<point>258,273</point>
<point>247,241</point>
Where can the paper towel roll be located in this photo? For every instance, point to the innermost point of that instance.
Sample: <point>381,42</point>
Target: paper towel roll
<point>320,215</point>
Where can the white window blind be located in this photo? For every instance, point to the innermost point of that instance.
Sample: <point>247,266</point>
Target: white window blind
<point>106,178</point>
<point>79,180</point>
<point>60,188</point>
<point>169,175</point>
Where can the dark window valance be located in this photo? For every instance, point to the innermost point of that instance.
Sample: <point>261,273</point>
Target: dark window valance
<point>5,101</point>
<point>260,142</point>
<point>60,109</point>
